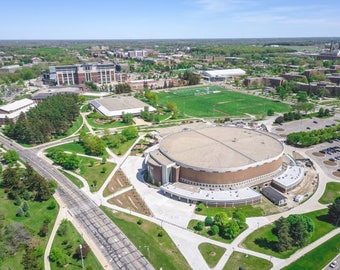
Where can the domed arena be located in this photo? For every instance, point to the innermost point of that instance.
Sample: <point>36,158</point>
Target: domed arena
<point>215,159</point>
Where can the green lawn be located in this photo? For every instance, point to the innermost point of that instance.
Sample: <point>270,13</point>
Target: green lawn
<point>73,147</point>
<point>123,148</point>
<point>110,124</point>
<point>249,262</point>
<point>263,239</point>
<point>319,257</point>
<point>221,104</point>
<point>331,193</point>
<point>205,232</point>
<point>39,213</point>
<point>76,125</point>
<point>211,253</point>
<point>160,251</point>
<point>95,172</point>
<point>68,243</point>
<point>265,207</point>
<point>73,179</point>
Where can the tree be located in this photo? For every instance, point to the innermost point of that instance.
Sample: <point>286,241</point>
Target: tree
<point>231,229</point>
<point>29,259</point>
<point>209,221</point>
<point>221,219</point>
<point>11,157</point>
<point>172,106</point>
<point>302,97</point>
<point>214,230</point>
<point>240,218</point>
<point>334,211</point>
<point>321,112</point>
<point>200,207</point>
<point>25,207</point>
<point>298,233</point>
<point>127,118</point>
<point>85,249</point>
<point>282,92</point>
<point>130,132</point>
<point>199,226</point>
<point>283,235</point>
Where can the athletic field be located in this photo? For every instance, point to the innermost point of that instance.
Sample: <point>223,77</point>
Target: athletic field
<point>217,102</point>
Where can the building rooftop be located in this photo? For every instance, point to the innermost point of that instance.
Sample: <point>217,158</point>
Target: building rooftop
<point>115,106</point>
<point>220,149</point>
<point>16,105</point>
<point>224,72</point>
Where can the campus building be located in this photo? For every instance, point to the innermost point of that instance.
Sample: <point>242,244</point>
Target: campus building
<point>222,74</point>
<point>119,105</point>
<point>219,165</point>
<point>13,110</point>
<point>81,73</point>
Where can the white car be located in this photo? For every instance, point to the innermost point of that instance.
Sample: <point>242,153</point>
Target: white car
<point>333,264</point>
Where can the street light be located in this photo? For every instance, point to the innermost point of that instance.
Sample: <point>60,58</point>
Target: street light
<point>81,255</point>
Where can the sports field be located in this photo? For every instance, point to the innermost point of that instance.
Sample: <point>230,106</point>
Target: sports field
<point>218,102</point>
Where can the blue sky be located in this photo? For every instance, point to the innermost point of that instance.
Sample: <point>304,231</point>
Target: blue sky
<point>153,19</point>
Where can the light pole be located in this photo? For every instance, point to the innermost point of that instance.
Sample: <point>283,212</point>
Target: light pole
<point>81,255</point>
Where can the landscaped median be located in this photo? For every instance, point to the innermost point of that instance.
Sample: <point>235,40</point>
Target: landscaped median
<point>331,192</point>
<point>265,240</point>
<point>151,240</point>
<point>246,261</point>
<point>319,257</point>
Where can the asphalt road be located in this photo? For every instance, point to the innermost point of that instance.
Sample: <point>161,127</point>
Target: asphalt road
<point>118,250</point>
<point>337,266</point>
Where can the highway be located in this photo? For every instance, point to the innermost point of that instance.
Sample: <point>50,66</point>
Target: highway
<point>115,246</point>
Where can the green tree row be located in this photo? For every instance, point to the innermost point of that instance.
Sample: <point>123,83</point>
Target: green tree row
<point>305,139</point>
<point>52,117</point>
<point>26,184</point>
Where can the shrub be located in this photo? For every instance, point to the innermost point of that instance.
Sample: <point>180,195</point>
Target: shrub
<point>140,221</point>
<point>199,226</point>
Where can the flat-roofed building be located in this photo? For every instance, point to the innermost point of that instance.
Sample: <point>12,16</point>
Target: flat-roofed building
<point>79,74</point>
<point>222,74</point>
<point>116,106</point>
<point>13,110</point>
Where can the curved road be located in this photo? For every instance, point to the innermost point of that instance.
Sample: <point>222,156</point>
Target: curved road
<point>115,246</point>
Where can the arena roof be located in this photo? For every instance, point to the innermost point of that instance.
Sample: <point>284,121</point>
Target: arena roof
<point>220,149</point>
<point>116,106</point>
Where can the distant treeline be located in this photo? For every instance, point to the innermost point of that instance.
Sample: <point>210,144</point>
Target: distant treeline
<point>52,117</point>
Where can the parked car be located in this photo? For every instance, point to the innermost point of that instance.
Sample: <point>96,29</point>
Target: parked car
<point>333,264</point>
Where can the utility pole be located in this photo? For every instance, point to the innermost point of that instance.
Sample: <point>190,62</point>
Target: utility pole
<point>81,255</point>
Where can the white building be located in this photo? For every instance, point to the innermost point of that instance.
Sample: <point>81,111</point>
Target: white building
<point>13,110</point>
<point>116,106</point>
<point>222,74</point>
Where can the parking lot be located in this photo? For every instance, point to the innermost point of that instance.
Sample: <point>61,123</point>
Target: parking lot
<point>305,125</point>
<point>327,156</point>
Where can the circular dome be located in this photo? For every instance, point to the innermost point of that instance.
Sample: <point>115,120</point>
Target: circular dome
<point>220,149</point>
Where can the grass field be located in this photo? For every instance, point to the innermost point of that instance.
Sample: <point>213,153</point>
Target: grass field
<point>211,253</point>
<point>39,213</point>
<point>160,251</point>
<point>95,172</point>
<point>123,148</point>
<point>219,102</point>
<point>249,262</point>
<point>319,257</point>
<point>331,193</point>
<point>264,234</point>
<point>73,147</point>
<point>68,243</point>
<point>265,207</point>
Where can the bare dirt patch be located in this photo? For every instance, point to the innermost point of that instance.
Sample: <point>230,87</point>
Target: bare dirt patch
<point>318,154</point>
<point>279,129</point>
<point>131,200</point>
<point>336,173</point>
<point>330,163</point>
<point>118,182</point>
